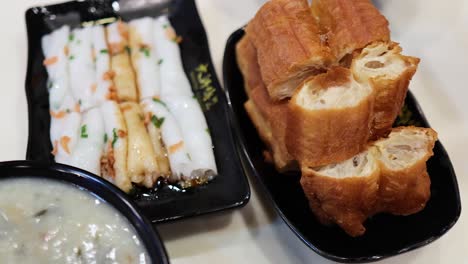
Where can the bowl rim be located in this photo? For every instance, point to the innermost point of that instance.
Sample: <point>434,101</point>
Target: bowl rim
<point>104,190</point>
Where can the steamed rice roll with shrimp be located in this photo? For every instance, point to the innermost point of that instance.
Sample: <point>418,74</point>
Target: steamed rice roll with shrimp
<point>55,49</point>
<point>121,66</point>
<point>161,118</point>
<point>173,78</point>
<point>197,139</point>
<point>153,127</point>
<point>114,158</point>
<point>141,159</point>
<point>144,58</point>
<point>88,151</point>
<point>64,132</point>
<point>100,54</point>
<point>82,74</point>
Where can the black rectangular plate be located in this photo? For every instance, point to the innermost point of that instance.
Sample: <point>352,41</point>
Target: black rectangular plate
<point>386,235</point>
<point>230,189</point>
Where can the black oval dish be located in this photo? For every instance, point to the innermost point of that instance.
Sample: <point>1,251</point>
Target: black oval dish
<point>99,187</point>
<point>230,189</point>
<point>386,235</point>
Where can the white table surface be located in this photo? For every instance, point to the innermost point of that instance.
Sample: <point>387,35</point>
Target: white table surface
<point>435,31</point>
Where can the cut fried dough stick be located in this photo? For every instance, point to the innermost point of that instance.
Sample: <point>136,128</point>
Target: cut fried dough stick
<point>276,115</point>
<point>261,124</point>
<point>288,45</point>
<point>268,116</point>
<point>345,193</point>
<point>389,73</point>
<point>404,182</point>
<point>350,25</point>
<point>390,176</point>
<point>329,118</point>
<point>246,56</point>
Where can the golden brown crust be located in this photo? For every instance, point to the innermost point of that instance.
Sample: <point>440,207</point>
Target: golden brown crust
<point>314,204</point>
<point>289,51</point>
<point>346,201</point>
<point>350,25</point>
<point>390,91</point>
<point>269,119</point>
<point>322,136</point>
<point>265,132</point>
<point>349,200</point>
<point>390,97</point>
<point>406,191</point>
<point>260,123</point>
<point>276,115</point>
<point>246,56</point>
<point>288,45</point>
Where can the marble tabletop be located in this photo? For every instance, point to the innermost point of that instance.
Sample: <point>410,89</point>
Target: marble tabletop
<point>435,31</point>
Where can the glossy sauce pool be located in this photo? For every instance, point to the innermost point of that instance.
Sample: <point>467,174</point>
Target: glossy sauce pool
<point>44,221</point>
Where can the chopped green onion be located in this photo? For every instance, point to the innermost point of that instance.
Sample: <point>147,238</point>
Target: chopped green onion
<point>84,133</point>
<point>79,253</point>
<point>41,213</point>
<point>68,111</point>
<point>128,49</point>
<point>160,61</point>
<point>105,138</point>
<point>157,122</point>
<point>104,51</point>
<point>79,101</point>
<point>189,157</point>
<point>145,51</point>
<point>157,100</point>
<point>50,85</point>
<point>97,237</point>
<point>165,26</point>
<point>71,37</point>
<point>114,134</point>
<point>72,57</point>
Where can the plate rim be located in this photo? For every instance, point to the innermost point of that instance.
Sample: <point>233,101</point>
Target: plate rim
<point>230,48</point>
<point>243,182</point>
